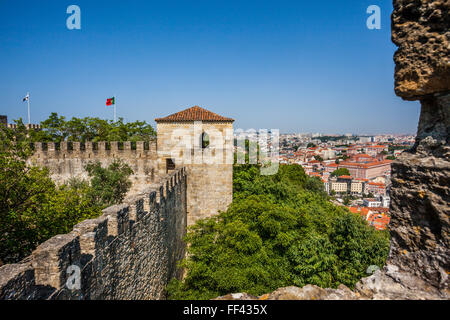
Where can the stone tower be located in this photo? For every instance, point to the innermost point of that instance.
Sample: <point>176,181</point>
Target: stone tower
<point>201,141</point>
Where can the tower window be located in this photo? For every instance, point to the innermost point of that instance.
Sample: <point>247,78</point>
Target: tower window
<point>170,165</point>
<point>204,140</point>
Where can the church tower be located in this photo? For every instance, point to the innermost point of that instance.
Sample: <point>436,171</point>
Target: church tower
<point>202,142</point>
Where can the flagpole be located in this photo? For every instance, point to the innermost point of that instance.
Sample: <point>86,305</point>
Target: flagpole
<point>115,102</point>
<point>28,100</point>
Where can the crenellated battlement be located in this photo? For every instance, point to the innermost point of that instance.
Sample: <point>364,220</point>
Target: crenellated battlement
<point>129,252</point>
<point>67,160</point>
<point>107,148</point>
<point>27,126</point>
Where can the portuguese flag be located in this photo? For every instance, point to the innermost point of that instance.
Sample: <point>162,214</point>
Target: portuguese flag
<point>110,101</point>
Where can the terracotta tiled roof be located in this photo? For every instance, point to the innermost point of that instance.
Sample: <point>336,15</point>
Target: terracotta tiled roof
<point>346,164</point>
<point>332,165</point>
<point>361,155</point>
<point>353,209</point>
<point>381,185</point>
<point>194,114</point>
<point>379,209</point>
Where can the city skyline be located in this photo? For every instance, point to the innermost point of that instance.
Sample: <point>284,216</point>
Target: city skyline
<point>291,66</point>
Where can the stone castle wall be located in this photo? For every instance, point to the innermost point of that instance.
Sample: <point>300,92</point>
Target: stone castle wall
<point>210,190</point>
<point>66,160</point>
<point>209,171</point>
<point>130,252</point>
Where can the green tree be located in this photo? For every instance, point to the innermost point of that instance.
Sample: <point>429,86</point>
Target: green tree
<point>57,128</point>
<point>139,131</point>
<point>318,158</point>
<point>315,184</point>
<point>77,130</point>
<point>22,190</point>
<point>32,207</point>
<point>109,185</point>
<point>346,200</point>
<point>52,130</point>
<point>278,231</point>
<point>340,172</point>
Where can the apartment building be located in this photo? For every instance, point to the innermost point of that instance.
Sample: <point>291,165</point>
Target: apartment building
<point>367,170</point>
<point>378,189</point>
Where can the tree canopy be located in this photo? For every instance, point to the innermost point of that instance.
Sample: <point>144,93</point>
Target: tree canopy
<point>57,128</point>
<point>109,185</point>
<point>340,172</point>
<point>280,230</point>
<point>318,158</point>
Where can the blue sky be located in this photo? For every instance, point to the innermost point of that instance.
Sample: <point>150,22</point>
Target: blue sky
<point>299,66</point>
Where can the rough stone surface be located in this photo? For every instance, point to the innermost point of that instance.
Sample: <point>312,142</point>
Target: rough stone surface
<point>130,252</point>
<point>309,292</point>
<point>387,284</point>
<point>421,176</point>
<point>420,212</point>
<point>421,30</point>
<point>391,283</point>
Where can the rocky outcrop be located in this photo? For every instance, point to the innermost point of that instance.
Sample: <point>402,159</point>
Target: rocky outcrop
<point>420,29</point>
<point>418,265</point>
<point>308,292</point>
<point>421,177</point>
<point>388,284</point>
<point>420,212</point>
<point>392,283</point>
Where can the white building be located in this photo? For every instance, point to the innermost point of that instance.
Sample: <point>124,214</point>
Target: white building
<point>385,201</point>
<point>327,154</point>
<point>372,203</point>
<point>365,139</point>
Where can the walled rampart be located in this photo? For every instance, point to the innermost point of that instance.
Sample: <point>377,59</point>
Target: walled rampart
<point>66,160</point>
<point>130,252</point>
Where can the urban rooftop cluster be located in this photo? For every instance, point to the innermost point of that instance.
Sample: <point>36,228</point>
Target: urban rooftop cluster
<point>356,170</point>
